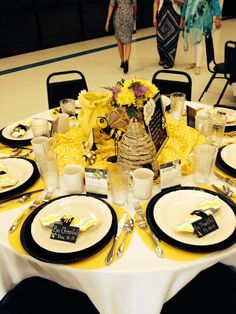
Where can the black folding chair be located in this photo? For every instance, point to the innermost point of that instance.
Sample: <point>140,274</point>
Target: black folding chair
<point>170,81</point>
<point>68,85</point>
<point>224,70</point>
<point>35,295</point>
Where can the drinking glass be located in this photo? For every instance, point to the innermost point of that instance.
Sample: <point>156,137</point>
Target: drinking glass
<point>216,127</point>
<point>177,100</point>
<point>48,167</point>
<point>118,175</point>
<point>68,106</point>
<point>40,127</point>
<point>204,156</point>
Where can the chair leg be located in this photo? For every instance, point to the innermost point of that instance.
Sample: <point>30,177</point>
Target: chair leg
<point>207,86</point>
<point>222,93</point>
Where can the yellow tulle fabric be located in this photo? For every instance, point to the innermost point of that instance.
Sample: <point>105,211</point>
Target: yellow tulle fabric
<point>179,146</point>
<point>181,140</point>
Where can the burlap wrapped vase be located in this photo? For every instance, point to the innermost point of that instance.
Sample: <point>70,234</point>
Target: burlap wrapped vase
<point>136,147</point>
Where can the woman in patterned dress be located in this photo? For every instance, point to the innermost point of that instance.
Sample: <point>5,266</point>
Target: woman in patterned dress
<point>196,22</point>
<point>166,18</point>
<point>123,21</point>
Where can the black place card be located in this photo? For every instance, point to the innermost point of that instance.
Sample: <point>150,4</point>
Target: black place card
<point>205,225</point>
<point>155,122</point>
<point>64,233</point>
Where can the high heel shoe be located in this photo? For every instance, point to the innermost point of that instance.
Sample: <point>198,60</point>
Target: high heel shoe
<point>122,64</point>
<point>126,66</point>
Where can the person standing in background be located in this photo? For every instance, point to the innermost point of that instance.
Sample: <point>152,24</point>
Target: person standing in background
<point>124,17</point>
<point>166,18</point>
<point>196,22</point>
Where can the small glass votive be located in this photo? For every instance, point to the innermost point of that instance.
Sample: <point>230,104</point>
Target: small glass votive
<point>40,127</point>
<point>68,106</point>
<point>177,100</point>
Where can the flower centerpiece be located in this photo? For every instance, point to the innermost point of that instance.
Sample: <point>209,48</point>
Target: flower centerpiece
<point>136,146</point>
<point>132,94</point>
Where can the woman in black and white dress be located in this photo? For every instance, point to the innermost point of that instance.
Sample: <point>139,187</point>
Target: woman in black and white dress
<point>123,21</point>
<point>166,18</point>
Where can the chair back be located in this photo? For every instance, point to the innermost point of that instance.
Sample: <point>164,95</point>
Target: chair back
<point>170,81</point>
<point>230,60</point>
<point>210,54</point>
<point>64,87</point>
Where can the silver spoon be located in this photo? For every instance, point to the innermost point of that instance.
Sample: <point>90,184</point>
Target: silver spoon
<point>128,227</point>
<point>21,200</point>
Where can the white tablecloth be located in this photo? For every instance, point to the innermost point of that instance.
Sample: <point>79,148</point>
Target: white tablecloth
<point>138,283</point>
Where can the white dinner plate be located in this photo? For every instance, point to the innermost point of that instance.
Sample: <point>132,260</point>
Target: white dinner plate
<point>228,155</point>
<point>172,208</point>
<point>78,206</point>
<point>6,133</point>
<point>19,168</point>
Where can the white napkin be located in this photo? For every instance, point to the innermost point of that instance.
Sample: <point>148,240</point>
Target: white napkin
<point>208,207</point>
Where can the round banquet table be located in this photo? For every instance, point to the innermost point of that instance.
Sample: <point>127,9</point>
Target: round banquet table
<point>139,282</point>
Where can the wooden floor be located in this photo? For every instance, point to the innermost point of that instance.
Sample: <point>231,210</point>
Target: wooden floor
<point>23,77</point>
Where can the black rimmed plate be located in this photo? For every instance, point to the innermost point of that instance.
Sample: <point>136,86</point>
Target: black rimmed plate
<point>35,238</point>
<point>231,117</point>
<point>226,160</point>
<point>7,139</point>
<point>24,170</point>
<point>170,208</point>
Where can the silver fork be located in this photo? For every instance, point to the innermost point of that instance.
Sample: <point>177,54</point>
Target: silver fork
<point>142,224</point>
<point>38,201</point>
<point>141,213</point>
<point>228,190</point>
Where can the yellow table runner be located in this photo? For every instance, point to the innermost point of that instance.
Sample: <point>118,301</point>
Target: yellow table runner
<point>93,262</point>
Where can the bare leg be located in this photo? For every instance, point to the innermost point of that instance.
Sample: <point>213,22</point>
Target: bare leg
<point>121,50</point>
<point>127,51</point>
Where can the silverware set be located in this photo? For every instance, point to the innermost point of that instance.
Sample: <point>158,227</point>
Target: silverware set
<point>20,198</point>
<point>142,224</point>
<point>226,192</point>
<point>17,151</point>
<point>227,180</point>
<point>37,202</point>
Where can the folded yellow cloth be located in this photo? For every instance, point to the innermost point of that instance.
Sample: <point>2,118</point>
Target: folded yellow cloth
<point>94,105</point>
<point>94,262</point>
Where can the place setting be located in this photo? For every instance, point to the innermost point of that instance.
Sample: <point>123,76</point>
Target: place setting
<point>17,174</point>
<point>20,133</point>
<point>182,217</point>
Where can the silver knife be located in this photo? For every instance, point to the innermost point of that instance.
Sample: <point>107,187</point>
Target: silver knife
<point>110,254</point>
